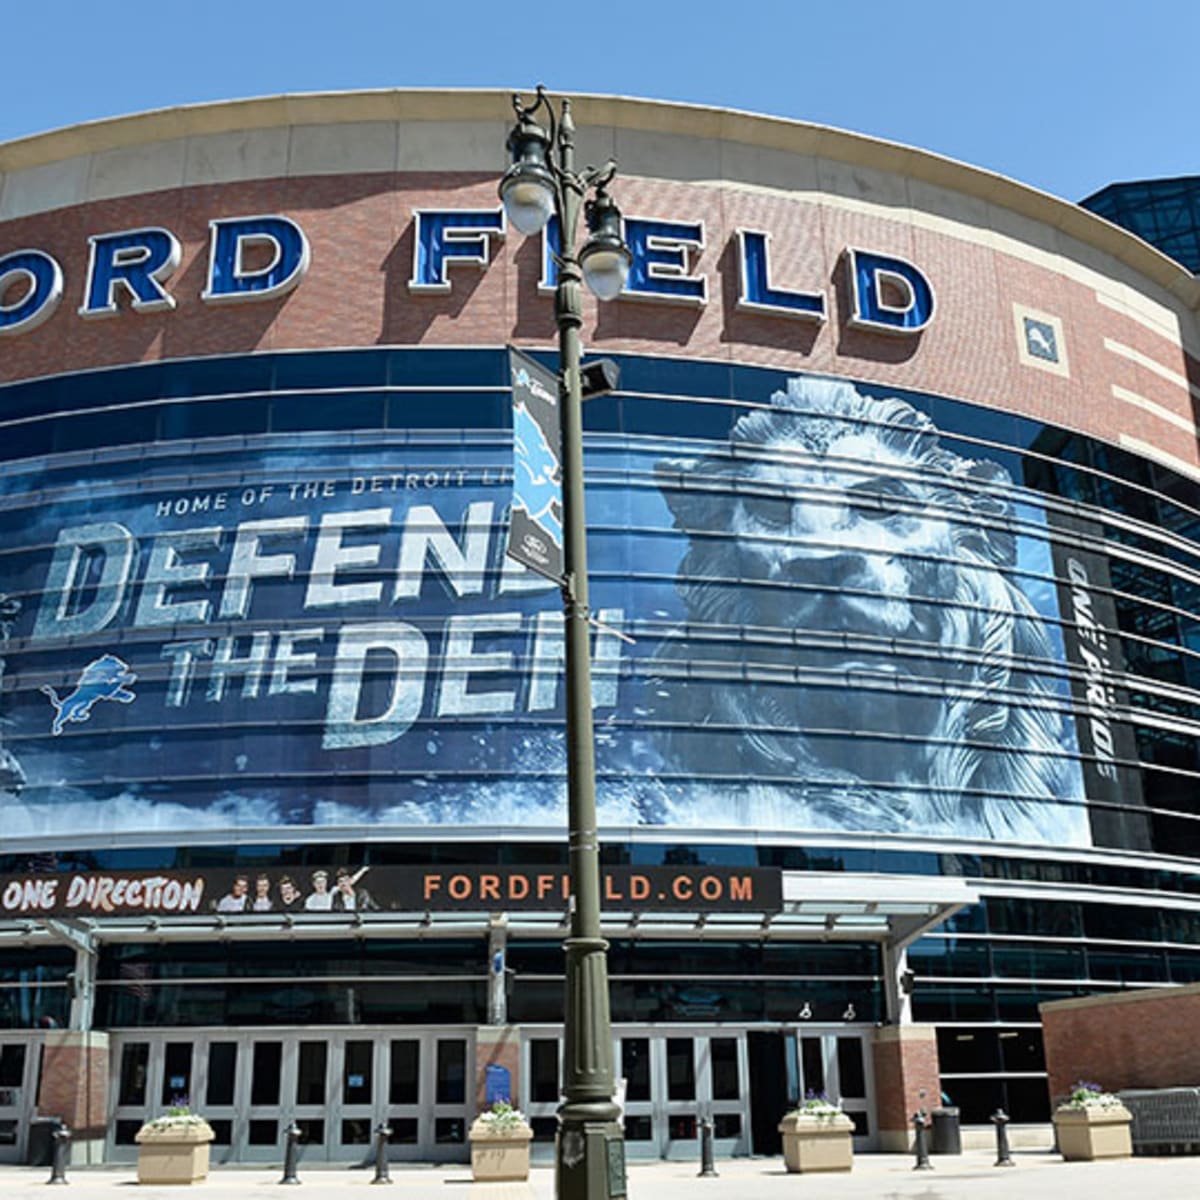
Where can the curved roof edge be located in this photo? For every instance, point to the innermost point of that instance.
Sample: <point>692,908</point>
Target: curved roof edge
<point>659,116</point>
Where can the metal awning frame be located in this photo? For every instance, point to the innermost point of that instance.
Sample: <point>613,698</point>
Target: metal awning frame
<point>891,910</point>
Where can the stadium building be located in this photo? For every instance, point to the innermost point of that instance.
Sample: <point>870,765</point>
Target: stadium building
<point>895,556</point>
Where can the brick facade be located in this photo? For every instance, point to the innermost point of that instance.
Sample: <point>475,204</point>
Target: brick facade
<point>1138,1039</point>
<point>74,1082</point>
<point>906,1065</point>
<point>361,230</point>
<point>496,1046</point>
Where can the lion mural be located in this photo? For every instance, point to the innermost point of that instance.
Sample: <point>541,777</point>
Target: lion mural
<point>864,644</point>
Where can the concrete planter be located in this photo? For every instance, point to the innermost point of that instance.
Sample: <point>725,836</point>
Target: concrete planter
<point>1085,1134</point>
<point>174,1154</point>
<point>499,1155</point>
<point>817,1143</point>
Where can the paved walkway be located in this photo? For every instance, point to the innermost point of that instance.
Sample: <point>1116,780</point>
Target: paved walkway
<point>1038,1175</point>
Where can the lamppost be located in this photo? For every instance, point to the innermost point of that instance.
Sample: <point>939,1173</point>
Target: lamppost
<point>542,182</point>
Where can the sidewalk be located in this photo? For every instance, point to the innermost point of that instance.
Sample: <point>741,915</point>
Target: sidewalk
<point>1038,1175</point>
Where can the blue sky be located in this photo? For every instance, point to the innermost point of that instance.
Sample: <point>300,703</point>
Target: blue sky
<point>1065,95</point>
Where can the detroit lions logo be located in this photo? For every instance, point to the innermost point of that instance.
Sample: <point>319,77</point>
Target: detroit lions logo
<point>105,679</point>
<point>538,485</point>
<point>536,387</point>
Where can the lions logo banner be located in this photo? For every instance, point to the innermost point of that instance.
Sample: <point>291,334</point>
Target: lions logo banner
<point>850,616</point>
<point>535,536</point>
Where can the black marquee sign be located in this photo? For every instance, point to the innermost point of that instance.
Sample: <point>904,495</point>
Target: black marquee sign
<point>232,893</point>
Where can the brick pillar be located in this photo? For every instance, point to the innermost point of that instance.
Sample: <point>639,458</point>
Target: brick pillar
<point>499,1046</point>
<point>906,1060</point>
<point>74,1088</point>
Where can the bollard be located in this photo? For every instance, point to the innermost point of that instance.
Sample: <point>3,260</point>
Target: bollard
<point>708,1168</point>
<point>62,1147</point>
<point>382,1133</point>
<point>922,1143</point>
<point>291,1153</point>
<point>1003,1157</point>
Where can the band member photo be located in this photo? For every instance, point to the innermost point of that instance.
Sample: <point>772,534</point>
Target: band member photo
<point>321,898</point>
<point>237,898</point>
<point>262,894</point>
<point>349,898</point>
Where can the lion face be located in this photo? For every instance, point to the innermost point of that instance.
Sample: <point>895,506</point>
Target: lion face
<point>862,575</point>
<point>860,559</point>
<point>856,547</point>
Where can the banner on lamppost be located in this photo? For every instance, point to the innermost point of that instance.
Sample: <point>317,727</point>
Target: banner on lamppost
<point>535,535</point>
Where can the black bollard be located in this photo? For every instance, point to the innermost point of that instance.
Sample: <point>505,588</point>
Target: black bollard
<point>922,1143</point>
<point>382,1133</point>
<point>1003,1157</point>
<point>708,1168</point>
<point>62,1148</point>
<point>291,1153</point>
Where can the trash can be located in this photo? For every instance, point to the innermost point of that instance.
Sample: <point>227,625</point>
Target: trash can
<point>40,1151</point>
<point>947,1133</point>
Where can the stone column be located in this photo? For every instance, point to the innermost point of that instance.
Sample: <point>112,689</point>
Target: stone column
<point>74,1088</point>
<point>906,1061</point>
<point>897,985</point>
<point>497,973</point>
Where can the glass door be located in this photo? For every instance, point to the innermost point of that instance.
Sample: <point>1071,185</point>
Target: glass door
<point>678,1106</point>
<point>724,1065</point>
<point>667,1080</point>
<point>18,1086</point>
<point>540,1091</point>
<point>355,1115</point>
<point>406,1089</point>
<point>133,1088</point>
<point>692,1075</point>
<point>428,1097</point>
<point>836,1064</point>
<point>258,1130</point>
<point>311,1086</point>
<point>453,1103</point>
<point>338,1085</point>
<point>636,1075</point>
<point>216,1090</point>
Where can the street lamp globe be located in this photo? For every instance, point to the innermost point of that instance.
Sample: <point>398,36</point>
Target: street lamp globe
<point>604,258</point>
<point>527,190</point>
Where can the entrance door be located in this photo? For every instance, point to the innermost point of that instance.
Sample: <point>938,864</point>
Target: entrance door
<point>236,1082</point>
<point>264,1105</point>
<point>18,1086</point>
<point>837,1064</point>
<point>338,1085</point>
<point>219,1062</point>
<point>672,1077</point>
<point>675,1077</point>
<point>769,1098</point>
<point>788,1067</point>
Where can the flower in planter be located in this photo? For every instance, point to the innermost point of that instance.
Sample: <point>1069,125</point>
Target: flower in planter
<point>173,1148</point>
<point>1086,1095</point>
<point>817,1104</point>
<point>178,1117</point>
<point>500,1144</point>
<point>503,1118</point>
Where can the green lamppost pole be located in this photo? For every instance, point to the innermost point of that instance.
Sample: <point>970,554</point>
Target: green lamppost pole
<point>543,182</point>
